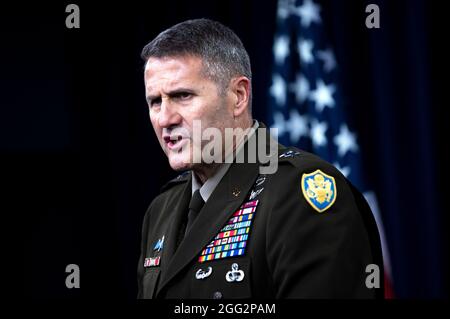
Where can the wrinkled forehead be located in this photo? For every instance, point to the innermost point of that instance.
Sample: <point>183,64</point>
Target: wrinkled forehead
<point>172,70</point>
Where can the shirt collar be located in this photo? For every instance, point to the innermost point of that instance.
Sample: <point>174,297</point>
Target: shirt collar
<point>208,187</point>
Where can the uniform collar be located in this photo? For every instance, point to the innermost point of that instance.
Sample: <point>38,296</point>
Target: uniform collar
<point>211,183</point>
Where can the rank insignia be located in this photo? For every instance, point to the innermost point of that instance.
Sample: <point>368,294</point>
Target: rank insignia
<point>289,154</point>
<point>319,190</point>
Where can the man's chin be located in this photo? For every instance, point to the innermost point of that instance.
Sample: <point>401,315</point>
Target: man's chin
<point>178,164</point>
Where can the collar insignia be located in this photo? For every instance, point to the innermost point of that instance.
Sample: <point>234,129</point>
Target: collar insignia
<point>159,244</point>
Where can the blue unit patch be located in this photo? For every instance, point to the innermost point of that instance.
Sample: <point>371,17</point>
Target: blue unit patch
<point>319,190</point>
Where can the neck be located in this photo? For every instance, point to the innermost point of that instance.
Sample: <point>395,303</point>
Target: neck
<point>245,126</point>
<point>204,172</point>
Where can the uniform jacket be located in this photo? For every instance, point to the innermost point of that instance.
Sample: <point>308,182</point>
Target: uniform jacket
<point>290,250</point>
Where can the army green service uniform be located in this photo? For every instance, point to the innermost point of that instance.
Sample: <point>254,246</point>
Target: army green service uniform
<point>302,232</point>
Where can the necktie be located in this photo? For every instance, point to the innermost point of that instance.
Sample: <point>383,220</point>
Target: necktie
<point>195,205</point>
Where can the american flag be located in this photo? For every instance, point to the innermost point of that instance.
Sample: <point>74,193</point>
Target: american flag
<point>306,104</point>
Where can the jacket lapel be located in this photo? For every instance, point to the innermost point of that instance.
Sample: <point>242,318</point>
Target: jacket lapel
<point>173,234</point>
<point>226,198</point>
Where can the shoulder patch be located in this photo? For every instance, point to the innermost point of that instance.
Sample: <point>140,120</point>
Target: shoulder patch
<point>319,190</point>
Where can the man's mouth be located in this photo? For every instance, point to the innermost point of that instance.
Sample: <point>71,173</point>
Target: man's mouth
<point>174,142</point>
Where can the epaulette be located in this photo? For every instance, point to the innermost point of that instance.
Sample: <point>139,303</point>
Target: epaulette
<point>290,155</point>
<point>183,177</point>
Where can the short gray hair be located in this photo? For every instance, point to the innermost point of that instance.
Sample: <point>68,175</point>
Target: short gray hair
<point>222,52</point>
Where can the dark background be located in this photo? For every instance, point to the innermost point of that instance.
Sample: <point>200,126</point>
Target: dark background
<point>79,154</point>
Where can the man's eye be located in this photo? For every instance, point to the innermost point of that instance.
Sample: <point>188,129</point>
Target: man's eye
<point>183,95</point>
<point>155,102</point>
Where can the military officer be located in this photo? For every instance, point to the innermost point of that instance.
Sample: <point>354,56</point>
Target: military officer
<point>227,228</point>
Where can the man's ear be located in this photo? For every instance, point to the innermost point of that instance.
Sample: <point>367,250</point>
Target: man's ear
<point>241,88</point>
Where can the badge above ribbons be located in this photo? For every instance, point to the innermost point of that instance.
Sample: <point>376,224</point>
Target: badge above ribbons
<point>319,190</point>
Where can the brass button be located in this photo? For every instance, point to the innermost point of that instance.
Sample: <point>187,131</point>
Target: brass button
<point>236,192</point>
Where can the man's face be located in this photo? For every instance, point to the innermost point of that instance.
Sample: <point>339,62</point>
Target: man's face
<point>178,93</point>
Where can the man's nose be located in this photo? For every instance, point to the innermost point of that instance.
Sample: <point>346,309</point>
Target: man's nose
<point>168,116</point>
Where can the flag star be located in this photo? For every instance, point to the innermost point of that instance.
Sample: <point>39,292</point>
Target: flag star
<point>344,170</point>
<point>284,8</point>
<point>318,130</point>
<point>345,141</point>
<point>329,61</point>
<point>323,95</point>
<point>278,89</point>
<point>308,12</point>
<point>297,126</point>
<point>300,88</point>
<point>279,123</point>
<point>281,49</point>
<point>305,48</point>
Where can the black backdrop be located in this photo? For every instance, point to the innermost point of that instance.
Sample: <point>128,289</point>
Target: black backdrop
<point>79,153</point>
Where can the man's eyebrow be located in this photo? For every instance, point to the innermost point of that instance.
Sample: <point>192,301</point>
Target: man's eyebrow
<point>172,93</point>
<point>180,90</point>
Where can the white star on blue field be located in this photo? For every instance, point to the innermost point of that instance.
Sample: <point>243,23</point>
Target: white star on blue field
<point>306,101</point>
<point>305,95</point>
